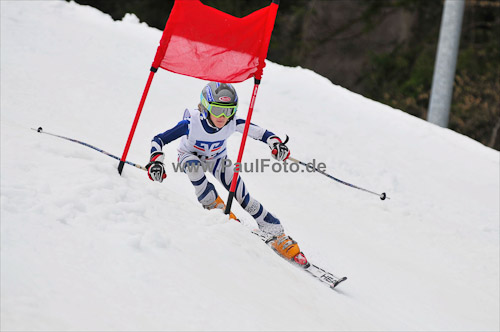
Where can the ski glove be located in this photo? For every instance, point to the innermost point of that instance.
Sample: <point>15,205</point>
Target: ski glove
<point>156,169</point>
<point>279,150</point>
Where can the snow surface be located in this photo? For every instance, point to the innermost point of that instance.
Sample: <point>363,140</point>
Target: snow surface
<point>83,248</point>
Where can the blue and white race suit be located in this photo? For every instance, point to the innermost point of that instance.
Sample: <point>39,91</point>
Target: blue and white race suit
<point>204,145</point>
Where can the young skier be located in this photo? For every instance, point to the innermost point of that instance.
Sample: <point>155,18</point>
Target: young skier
<point>203,133</point>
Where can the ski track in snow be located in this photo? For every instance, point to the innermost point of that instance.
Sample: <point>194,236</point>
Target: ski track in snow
<point>85,249</point>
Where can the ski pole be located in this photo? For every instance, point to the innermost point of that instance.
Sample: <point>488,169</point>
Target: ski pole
<point>382,196</point>
<point>40,130</point>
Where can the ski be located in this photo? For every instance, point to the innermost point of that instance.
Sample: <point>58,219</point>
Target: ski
<point>301,262</point>
<point>324,276</point>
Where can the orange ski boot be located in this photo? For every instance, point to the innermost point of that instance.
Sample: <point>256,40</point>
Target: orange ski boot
<point>286,247</point>
<point>219,204</point>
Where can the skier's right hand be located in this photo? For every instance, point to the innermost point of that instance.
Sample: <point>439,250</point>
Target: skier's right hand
<point>156,169</point>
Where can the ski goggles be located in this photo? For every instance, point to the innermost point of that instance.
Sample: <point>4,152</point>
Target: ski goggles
<point>218,110</point>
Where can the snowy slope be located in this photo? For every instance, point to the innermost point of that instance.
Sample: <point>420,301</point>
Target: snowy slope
<point>85,249</point>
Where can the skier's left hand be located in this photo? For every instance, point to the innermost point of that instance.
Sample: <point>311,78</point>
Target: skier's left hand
<point>279,150</point>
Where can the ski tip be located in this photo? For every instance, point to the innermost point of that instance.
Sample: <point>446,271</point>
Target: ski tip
<point>335,284</point>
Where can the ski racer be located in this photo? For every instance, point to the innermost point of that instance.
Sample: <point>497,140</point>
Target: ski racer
<point>203,132</point>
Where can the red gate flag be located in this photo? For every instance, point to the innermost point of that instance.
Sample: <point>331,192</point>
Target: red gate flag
<point>203,42</point>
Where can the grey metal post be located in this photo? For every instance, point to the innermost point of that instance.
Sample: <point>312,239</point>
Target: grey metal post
<point>446,61</point>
